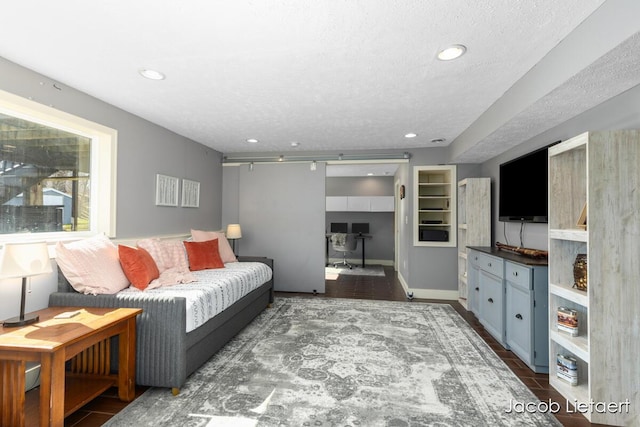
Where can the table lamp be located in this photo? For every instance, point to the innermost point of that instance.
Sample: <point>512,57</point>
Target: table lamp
<point>24,260</point>
<point>234,232</point>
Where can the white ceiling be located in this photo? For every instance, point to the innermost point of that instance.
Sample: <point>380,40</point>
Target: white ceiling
<point>328,74</point>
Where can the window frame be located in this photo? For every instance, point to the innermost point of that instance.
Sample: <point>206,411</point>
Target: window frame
<point>104,142</point>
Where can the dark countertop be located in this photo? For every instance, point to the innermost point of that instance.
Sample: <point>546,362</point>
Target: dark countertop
<point>511,256</point>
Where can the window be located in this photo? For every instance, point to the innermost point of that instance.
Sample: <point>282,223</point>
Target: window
<point>57,173</point>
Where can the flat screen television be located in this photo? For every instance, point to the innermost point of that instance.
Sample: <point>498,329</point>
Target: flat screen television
<point>522,195</point>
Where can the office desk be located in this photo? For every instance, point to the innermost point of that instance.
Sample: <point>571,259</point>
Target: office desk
<point>361,237</point>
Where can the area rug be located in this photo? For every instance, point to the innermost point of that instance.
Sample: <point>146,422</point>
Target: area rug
<point>372,270</point>
<point>341,362</point>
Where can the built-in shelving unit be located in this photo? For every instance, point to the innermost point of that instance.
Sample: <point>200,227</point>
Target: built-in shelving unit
<point>474,226</point>
<point>597,171</point>
<point>435,205</point>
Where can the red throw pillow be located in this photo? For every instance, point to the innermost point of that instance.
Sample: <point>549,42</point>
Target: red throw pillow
<point>138,266</point>
<point>203,255</point>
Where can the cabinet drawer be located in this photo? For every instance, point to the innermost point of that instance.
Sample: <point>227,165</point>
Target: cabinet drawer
<point>518,274</point>
<point>491,265</point>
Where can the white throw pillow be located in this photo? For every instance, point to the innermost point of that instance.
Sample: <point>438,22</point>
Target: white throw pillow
<point>92,265</point>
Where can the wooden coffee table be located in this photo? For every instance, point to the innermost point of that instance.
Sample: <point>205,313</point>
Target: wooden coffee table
<point>84,339</point>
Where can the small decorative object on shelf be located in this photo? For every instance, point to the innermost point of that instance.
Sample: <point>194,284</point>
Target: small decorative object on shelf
<point>568,321</point>
<point>582,221</point>
<point>567,369</point>
<point>580,272</point>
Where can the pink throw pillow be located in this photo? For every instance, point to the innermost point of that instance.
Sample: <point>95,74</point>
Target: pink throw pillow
<point>92,265</point>
<point>226,253</point>
<point>166,253</point>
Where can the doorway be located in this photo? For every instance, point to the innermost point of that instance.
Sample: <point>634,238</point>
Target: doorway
<point>362,197</point>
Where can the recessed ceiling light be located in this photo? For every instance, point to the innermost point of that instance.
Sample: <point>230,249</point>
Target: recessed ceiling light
<point>295,144</point>
<point>411,135</point>
<point>252,141</point>
<point>438,140</point>
<point>151,74</point>
<point>370,174</point>
<point>452,52</point>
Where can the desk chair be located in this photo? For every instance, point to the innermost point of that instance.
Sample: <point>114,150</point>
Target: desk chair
<point>344,243</point>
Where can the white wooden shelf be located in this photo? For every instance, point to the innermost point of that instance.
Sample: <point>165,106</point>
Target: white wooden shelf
<point>579,345</point>
<point>597,171</point>
<point>573,235</point>
<point>570,392</point>
<point>474,229</point>
<point>570,293</point>
<point>435,204</point>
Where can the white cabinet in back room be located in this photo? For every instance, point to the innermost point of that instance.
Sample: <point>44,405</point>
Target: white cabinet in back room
<point>336,204</point>
<point>360,204</point>
<point>382,204</point>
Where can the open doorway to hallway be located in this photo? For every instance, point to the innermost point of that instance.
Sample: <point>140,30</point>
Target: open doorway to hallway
<point>361,207</point>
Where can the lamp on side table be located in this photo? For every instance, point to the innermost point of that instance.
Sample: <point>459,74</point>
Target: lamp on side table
<point>233,233</point>
<point>24,260</point>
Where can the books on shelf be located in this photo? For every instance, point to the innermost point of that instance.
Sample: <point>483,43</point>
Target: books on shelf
<point>567,369</point>
<point>568,321</point>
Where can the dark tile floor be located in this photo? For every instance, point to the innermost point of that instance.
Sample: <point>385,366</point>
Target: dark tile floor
<point>365,287</point>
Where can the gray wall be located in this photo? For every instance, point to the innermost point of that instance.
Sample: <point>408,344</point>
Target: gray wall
<point>144,149</point>
<point>620,112</point>
<point>430,267</point>
<point>281,211</point>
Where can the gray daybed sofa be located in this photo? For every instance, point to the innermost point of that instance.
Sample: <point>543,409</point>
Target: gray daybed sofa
<point>165,353</point>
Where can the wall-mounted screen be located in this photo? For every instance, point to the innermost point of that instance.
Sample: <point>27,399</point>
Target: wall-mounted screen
<point>523,185</point>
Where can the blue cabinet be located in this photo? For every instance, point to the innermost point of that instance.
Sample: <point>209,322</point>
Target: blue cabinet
<point>527,331</point>
<point>508,294</point>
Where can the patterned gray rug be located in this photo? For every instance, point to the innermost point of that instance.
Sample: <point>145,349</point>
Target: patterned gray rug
<point>371,270</point>
<point>340,362</point>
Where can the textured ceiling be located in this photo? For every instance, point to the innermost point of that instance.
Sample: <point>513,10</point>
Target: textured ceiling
<point>330,75</point>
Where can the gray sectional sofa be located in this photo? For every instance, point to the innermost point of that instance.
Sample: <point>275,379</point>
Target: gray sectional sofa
<point>165,353</point>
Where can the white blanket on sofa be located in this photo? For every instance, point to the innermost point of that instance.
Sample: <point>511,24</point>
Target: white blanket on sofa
<point>215,290</point>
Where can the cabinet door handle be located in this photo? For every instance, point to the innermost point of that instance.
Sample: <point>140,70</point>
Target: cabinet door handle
<point>519,316</point>
<point>489,264</point>
<point>515,273</point>
<point>478,289</point>
<point>490,300</point>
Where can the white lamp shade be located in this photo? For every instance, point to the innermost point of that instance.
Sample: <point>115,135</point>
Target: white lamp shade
<point>234,231</point>
<point>24,260</point>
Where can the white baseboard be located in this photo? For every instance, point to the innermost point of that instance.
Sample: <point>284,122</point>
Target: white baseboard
<point>428,293</point>
<point>435,294</point>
